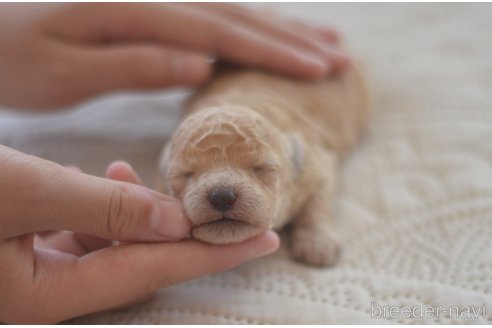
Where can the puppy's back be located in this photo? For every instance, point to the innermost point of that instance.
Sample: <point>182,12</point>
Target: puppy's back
<point>331,112</point>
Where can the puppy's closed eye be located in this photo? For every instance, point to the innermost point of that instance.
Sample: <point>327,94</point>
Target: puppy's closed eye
<point>181,174</point>
<point>265,173</point>
<point>187,174</point>
<point>260,168</point>
<point>264,167</point>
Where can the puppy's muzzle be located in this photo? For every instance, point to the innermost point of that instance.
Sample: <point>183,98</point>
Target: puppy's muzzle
<point>228,224</point>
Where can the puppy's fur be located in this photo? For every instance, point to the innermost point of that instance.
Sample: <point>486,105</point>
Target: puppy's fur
<point>275,144</point>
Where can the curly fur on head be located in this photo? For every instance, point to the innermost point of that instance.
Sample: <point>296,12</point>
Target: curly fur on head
<point>224,127</point>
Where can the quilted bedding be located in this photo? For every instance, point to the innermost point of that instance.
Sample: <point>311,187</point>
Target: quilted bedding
<point>414,208</point>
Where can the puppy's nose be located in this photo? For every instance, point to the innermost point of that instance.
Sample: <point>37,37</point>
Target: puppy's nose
<point>222,200</point>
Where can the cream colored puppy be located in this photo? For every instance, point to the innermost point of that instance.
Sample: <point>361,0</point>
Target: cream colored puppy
<point>259,151</point>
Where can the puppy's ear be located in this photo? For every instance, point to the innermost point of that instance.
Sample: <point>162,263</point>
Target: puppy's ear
<point>296,145</point>
<point>162,169</point>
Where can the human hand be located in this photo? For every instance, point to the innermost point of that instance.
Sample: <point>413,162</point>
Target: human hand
<point>56,54</point>
<point>65,274</point>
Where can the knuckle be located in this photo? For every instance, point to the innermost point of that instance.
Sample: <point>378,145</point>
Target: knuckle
<point>125,212</point>
<point>115,218</point>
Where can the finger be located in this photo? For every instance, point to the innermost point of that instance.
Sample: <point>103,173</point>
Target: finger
<point>125,67</point>
<point>39,195</point>
<point>188,28</point>
<point>123,171</point>
<point>297,34</point>
<point>118,275</point>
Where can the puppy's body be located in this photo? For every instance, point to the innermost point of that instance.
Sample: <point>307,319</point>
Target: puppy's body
<point>278,141</point>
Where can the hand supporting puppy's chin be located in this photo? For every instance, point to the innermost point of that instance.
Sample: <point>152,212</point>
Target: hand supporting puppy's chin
<point>226,231</point>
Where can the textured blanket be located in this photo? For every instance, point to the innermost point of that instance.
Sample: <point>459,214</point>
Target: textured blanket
<point>414,207</point>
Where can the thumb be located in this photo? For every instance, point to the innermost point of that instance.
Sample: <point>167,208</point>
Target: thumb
<point>118,275</point>
<point>39,195</point>
<point>136,67</point>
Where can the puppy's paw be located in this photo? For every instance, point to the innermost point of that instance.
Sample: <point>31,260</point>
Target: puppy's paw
<point>314,247</point>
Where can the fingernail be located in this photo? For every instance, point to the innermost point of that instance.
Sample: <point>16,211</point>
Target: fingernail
<point>311,60</point>
<point>123,171</point>
<point>168,220</point>
<point>270,243</point>
<point>339,56</point>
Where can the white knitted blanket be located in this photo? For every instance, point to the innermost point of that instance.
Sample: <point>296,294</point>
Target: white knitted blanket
<point>415,200</point>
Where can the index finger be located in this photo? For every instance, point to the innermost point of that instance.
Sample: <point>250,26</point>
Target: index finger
<point>39,195</point>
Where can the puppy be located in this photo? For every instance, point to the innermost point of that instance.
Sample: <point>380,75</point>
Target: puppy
<point>258,151</point>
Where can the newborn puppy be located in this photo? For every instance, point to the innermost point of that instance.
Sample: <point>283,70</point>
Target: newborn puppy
<point>258,151</point>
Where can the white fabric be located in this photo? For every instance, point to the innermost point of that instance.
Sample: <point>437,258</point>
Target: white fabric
<point>415,200</point>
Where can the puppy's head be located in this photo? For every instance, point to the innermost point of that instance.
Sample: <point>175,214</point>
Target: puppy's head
<point>227,165</point>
